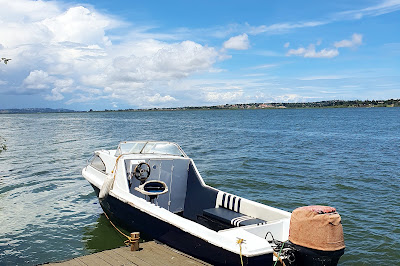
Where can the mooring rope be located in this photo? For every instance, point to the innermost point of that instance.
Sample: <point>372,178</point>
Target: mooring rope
<point>240,241</point>
<point>114,170</point>
<point>130,240</point>
<point>276,243</point>
<point>278,256</point>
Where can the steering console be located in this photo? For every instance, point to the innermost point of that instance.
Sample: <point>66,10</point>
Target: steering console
<point>141,172</point>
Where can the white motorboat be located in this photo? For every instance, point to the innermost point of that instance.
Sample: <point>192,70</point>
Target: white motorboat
<point>153,187</point>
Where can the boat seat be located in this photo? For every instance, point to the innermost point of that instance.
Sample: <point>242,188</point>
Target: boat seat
<point>231,217</point>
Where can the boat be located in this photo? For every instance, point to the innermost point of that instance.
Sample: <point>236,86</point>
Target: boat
<point>153,187</point>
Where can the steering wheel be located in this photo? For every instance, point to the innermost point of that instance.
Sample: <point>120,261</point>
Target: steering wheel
<point>141,171</point>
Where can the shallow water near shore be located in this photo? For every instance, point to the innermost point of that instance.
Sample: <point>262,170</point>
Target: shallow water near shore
<point>345,158</point>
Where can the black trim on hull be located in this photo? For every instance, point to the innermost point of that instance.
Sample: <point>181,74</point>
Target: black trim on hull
<point>133,219</point>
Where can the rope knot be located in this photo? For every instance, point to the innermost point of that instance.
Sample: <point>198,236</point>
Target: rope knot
<point>240,241</point>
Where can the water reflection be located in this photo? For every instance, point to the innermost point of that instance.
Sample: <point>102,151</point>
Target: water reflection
<point>102,236</point>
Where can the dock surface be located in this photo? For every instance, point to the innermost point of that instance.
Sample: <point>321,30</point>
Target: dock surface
<point>150,253</point>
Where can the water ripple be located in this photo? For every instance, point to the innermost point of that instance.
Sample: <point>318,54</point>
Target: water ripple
<point>347,158</point>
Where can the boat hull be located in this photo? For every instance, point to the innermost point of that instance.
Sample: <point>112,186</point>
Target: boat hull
<point>133,219</point>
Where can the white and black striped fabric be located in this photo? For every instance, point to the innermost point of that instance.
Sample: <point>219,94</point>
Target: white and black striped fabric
<point>228,210</point>
<point>231,217</point>
<point>231,202</point>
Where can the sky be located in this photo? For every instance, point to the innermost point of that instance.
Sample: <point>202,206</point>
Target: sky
<point>101,55</point>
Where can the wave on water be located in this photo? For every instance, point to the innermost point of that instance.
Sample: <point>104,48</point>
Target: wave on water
<point>346,158</point>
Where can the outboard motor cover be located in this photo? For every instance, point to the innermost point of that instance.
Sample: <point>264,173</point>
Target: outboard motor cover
<point>317,235</point>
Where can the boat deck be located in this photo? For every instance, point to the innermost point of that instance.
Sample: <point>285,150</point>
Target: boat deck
<point>150,253</point>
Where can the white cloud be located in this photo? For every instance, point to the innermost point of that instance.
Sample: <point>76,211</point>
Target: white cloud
<point>67,27</point>
<point>176,60</point>
<point>141,80</point>
<point>37,80</point>
<point>312,53</point>
<point>55,95</point>
<point>356,40</point>
<point>157,98</point>
<point>267,53</point>
<point>384,7</point>
<point>27,10</point>
<point>322,77</point>
<point>63,83</point>
<point>240,42</point>
<point>283,27</point>
<point>255,75</point>
<point>224,97</point>
<point>69,54</point>
<point>286,98</point>
<point>264,66</point>
<point>27,22</point>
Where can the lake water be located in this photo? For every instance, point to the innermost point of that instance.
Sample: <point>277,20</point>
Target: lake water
<point>346,158</point>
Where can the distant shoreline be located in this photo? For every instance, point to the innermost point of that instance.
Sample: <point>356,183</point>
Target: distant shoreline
<point>240,106</point>
<point>35,111</point>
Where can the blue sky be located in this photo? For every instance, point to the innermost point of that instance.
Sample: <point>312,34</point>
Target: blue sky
<point>140,54</point>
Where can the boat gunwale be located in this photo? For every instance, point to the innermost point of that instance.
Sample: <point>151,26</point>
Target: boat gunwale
<point>190,226</point>
<point>215,238</point>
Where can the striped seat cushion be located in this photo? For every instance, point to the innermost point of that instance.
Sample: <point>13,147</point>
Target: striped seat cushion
<point>231,217</point>
<point>229,201</point>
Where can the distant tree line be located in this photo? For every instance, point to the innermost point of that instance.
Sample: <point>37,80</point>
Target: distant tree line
<point>344,104</point>
<point>321,104</point>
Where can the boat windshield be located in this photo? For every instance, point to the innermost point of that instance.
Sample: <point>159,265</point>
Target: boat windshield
<point>146,147</point>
